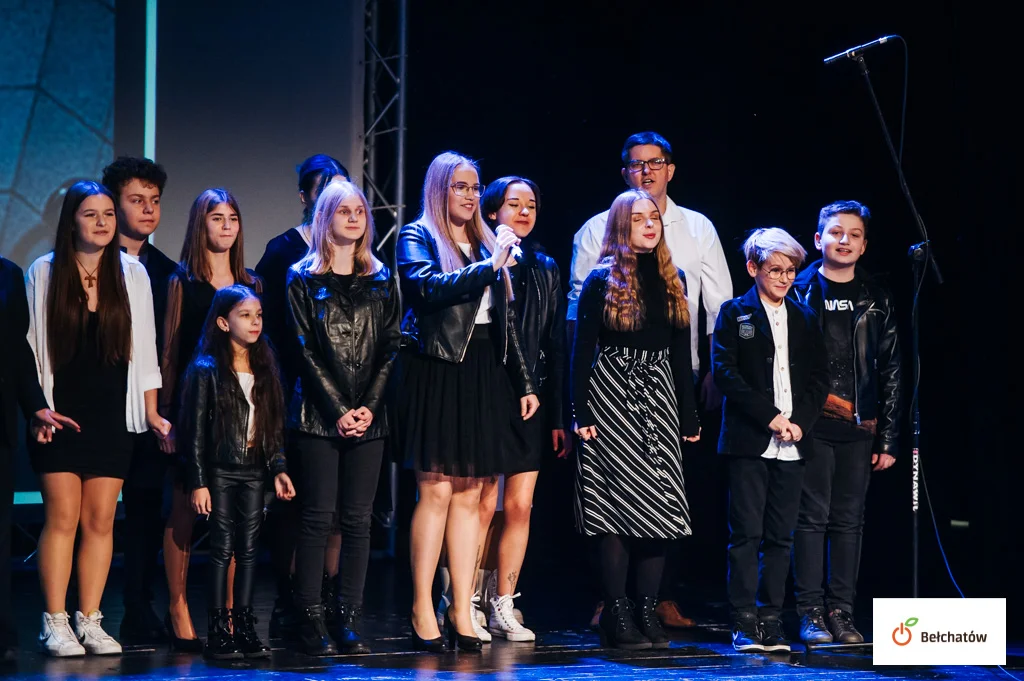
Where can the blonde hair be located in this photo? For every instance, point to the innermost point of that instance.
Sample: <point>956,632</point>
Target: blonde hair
<point>434,216</point>
<point>319,259</point>
<point>624,308</point>
<point>765,242</point>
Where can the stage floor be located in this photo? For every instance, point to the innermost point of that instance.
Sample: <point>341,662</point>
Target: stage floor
<point>565,649</point>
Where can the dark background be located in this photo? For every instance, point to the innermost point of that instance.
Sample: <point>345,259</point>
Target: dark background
<point>764,134</point>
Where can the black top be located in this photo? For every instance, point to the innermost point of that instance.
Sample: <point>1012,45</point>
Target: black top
<point>19,383</point>
<point>838,420</point>
<point>656,334</point>
<point>188,301</point>
<point>159,268</point>
<point>282,252</point>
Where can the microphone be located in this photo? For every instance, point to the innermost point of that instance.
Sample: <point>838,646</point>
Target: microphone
<point>854,52</point>
<point>516,253</point>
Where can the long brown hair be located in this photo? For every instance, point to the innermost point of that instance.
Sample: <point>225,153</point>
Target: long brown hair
<point>267,394</point>
<point>434,214</point>
<point>624,308</point>
<point>67,304</point>
<point>319,259</point>
<point>194,250</point>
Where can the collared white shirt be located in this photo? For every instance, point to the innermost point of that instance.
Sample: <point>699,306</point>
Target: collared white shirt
<point>695,248</point>
<point>778,319</point>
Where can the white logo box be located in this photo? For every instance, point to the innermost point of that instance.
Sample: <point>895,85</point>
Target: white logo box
<point>939,631</point>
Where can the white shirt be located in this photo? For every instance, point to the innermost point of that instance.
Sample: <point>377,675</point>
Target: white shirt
<point>143,367</point>
<point>248,382</point>
<point>483,313</point>
<point>778,318</point>
<point>695,248</point>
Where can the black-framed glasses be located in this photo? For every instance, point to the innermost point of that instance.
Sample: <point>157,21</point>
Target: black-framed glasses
<point>462,189</point>
<point>636,165</point>
<point>777,272</point>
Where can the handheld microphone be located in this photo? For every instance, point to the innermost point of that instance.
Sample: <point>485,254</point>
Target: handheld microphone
<point>516,253</point>
<point>854,52</point>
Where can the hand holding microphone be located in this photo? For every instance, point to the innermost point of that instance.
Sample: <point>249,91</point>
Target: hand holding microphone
<point>507,250</point>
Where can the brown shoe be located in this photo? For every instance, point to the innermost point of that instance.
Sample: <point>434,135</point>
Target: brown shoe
<point>595,621</point>
<point>668,613</point>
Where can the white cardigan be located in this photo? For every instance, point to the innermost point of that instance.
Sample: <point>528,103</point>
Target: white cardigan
<point>143,368</point>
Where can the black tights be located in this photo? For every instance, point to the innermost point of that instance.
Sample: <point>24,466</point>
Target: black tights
<point>647,557</point>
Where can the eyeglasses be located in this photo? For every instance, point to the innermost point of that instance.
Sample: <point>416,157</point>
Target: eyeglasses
<point>777,272</point>
<point>462,189</point>
<point>636,165</point>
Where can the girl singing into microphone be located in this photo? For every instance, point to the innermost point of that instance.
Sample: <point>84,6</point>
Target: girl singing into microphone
<point>452,406</point>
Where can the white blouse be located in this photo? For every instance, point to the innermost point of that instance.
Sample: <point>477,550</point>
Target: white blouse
<point>143,367</point>
<point>483,313</point>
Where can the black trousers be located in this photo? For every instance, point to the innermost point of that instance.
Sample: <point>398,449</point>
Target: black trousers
<point>142,496</point>
<point>237,499</point>
<point>334,476</point>
<point>764,499</point>
<point>8,632</point>
<point>831,509</point>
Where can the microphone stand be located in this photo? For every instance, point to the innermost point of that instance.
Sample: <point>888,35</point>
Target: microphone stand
<point>919,254</point>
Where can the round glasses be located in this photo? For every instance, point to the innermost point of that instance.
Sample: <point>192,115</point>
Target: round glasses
<point>777,272</point>
<point>463,189</point>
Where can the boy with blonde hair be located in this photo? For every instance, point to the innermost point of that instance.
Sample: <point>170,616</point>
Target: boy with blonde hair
<point>768,360</point>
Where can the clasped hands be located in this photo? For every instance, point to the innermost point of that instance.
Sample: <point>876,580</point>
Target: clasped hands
<point>785,430</point>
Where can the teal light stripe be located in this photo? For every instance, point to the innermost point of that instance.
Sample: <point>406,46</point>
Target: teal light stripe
<point>149,129</point>
<point>34,498</point>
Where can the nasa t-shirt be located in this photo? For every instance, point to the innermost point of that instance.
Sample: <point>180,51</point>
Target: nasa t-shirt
<point>839,420</point>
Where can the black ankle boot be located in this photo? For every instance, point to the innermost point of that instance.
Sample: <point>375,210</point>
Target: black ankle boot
<point>328,599</point>
<point>346,630</point>
<point>311,633</point>
<point>246,638</point>
<point>618,629</point>
<point>282,617</point>
<point>649,624</point>
<point>220,644</point>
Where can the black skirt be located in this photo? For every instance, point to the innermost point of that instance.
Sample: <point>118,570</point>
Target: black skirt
<point>530,439</point>
<point>453,419</point>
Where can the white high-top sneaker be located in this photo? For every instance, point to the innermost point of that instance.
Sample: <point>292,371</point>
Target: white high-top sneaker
<point>56,637</point>
<point>491,593</point>
<point>94,639</point>
<point>504,623</point>
<point>479,627</point>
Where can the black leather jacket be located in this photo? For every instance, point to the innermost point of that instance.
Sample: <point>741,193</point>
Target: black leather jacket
<point>348,337</point>
<point>876,365</point>
<point>541,309</point>
<point>442,305</point>
<point>205,442</point>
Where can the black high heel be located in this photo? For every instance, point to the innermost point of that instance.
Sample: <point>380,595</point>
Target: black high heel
<point>182,645</point>
<point>432,645</point>
<point>469,644</point>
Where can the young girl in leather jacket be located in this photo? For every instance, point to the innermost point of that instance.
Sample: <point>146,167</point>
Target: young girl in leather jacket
<point>230,432</point>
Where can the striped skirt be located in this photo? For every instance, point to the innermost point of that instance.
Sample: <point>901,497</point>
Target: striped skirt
<point>629,479</point>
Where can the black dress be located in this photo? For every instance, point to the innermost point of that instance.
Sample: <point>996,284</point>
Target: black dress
<point>530,438</point>
<point>94,394</point>
<point>282,252</point>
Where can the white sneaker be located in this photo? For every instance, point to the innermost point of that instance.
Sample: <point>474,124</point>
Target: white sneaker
<point>504,623</point>
<point>91,634</point>
<point>480,621</point>
<point>56,637</point>
<point>491,593</point>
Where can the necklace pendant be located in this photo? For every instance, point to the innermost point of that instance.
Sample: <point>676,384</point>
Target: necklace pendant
<point>90,280</point>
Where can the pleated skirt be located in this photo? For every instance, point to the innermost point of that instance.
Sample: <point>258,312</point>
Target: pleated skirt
<point>629,479</point>
<point>451,418</point>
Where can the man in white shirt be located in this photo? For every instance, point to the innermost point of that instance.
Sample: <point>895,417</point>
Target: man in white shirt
<point>692,239</point>
<point>695,247</point>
